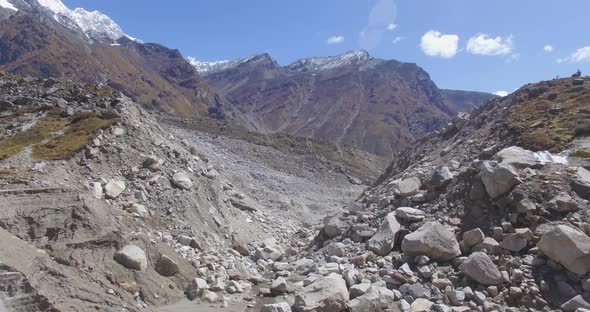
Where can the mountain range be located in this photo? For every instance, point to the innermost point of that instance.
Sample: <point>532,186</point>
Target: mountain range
<point>380,106</point>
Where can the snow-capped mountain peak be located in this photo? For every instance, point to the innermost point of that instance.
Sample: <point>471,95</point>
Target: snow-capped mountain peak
<point>312,64</point>
<point>95,25</point>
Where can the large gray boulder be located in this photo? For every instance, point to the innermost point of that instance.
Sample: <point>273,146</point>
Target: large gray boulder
<point>407,187</point>
<point>182,180</point>
<point>581,183</point>
<point>375,299</point>
<point>518,157</point>
<point>433,240</point>
<point>384,240</point>
<point>498,179</point>
<point>567,246</point>
<point>131,257</point>
<point>327,294</point>
<point>481,269</point>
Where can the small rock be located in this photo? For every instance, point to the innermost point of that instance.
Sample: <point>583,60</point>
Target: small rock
<point>482,269</point>
<point>421,305</point>
<point>563,202</point>
<point>408,187</point>
<point>433,240</point>
<point>409,214</point>
<point>182,180</point>
<point>456,297</point>
<point>114,188</point>
<point>304,266</point>
<point>279,287</point>
<point>441,177</point>
<point>383,241</point>
<point>131,257</point>
<point>358,290</point>
<point>472,238</point>
<point>97,190</point>
<point>196,288</point>
<point>498,179</point>
<point>210,296</point>
<point>276,307</point>
<point>166,266</point>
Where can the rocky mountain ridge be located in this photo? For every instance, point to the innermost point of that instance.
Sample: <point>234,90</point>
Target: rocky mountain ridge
<point>354,99</point>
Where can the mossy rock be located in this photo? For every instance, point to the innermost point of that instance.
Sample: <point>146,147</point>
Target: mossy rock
<point>57,137</point>
<point>82,129</point>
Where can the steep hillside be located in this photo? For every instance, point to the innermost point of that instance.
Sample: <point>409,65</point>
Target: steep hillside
<point>468,219</point>
<point>33,42</point>
<point>377,105</point>
<point>465,101</point>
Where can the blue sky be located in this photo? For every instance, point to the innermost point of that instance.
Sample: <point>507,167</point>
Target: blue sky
<point>463,44</point>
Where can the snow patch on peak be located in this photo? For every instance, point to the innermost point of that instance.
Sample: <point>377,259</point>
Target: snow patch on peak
<point>95,25</point>
<point>208,68</point>
<point>7,5</point>
<point>313,64</point>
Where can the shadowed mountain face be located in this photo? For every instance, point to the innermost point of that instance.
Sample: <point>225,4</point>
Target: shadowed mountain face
<point>377,105</point>
<point>32,42</point>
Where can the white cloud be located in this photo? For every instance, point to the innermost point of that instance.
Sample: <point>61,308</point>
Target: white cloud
<point>391,26</point>
<point>397,40</point>
<point>434,43</point>
<point>501,93</point>
<point>581,55</point>
<point>482,44</point>
<point>335,40</point>
<point>548,48</point>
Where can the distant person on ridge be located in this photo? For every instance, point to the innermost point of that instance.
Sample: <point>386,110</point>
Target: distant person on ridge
<point>577,74</point>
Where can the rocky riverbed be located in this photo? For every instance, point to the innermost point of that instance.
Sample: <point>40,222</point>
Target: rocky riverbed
<point>103,207</point>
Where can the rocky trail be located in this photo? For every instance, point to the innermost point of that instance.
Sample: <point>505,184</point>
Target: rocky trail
<point>105,206</point>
